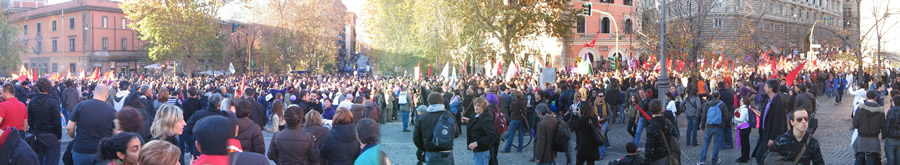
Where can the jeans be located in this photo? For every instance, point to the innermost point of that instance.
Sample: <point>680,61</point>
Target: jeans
<point>728,136</point>
<point>482,158</point>
<point>837,98</point>
<point>514,127</point>
<point>65,114</point>
<point>637,134</point>
<point>613,112</point>
<point>692,131</point>
<point>828,92</point>
<point>86,159</point>
<point>47,148</point>
<point>622,113</point>
<point>712,132</point>
<point>405,116</point>
<point>439,157</point>
<point>604,146</point>
<point>868,158</point>
<point>892,150</point>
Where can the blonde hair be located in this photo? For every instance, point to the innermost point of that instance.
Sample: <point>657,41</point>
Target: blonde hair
<point>167,117</point>
<point>158,152</point>
<point>313,118</point>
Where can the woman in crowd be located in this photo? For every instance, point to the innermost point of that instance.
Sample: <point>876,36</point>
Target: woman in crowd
<point>481,134</point>
<point>161,98</point>
<point>159,152</point>
<point>276,119</point>
<point>292,145</point>
<point>587,131</point>
<point>312,124</point>
<point>169,123</point>
<point>134,118</point>
<point>121,149</point>
<point>741,121</point>
<point>342,144</point>
<point>249,133</point>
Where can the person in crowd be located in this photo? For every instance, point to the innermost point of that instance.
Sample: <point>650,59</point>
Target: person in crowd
<point>12,112</point>
<point>328,110</point>
<point>293,145</point>
<point>742,124</point>
<point>632,158</point>
<point>70,97</point>
<point>480,133</point>
<point>228,105</point>
<point>588,130</point>
<point>276,119</point>
<point>44,122</point>
<point>423,137</point>
<point>771,124</point>
<point>869,120</point>
<point>658,128</point>
<point>604,113</point>
<point>341,146</point>
<point>367,132</point>
<point>312,124</point>
<point>136,121</point>
<point>670,112</point>
<point>403,99</point>
<point>168,125</point>
<point>159,152</point>
<point>121,149</point>
<point>517,121</point>
<point>546,129</point>
<point>790,144</point>
<point>891,132</point>
<point>692,108</point>
<point>162,97</point>
<point>211,109</point>
<point>189,106</point>
<point>91,120</point>
<point>256,112</point>
<point>249,134</point>
<point>213,134</point>
<point>713,126</point>
<point>117,98</point>
<point>726,94</point>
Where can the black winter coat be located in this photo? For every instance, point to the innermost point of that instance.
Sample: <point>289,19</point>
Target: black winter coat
<point>481,130</point>
<point>584,135</point>
<point>43,115</point>
<point>293,146</point>
<point>343,148</point>
<point>655,146</point>
<point>319,133</point>
<point>250,136</point>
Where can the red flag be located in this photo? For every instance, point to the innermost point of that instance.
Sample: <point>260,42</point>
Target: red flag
<point>790,77</point>
<point>429,70</point>
<point>774,68</point>
<point>241,90</point>
<point>22,78</point>
<point>34,75</point>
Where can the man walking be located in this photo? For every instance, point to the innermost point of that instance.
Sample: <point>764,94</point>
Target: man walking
<point>773,123</point>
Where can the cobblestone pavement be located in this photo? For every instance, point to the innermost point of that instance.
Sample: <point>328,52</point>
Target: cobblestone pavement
<point>833,135</point>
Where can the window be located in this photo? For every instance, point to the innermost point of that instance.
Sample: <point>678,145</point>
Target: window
<point>717,23</point>
<point>104,22</point>
<point>628,2</point>
<point>71,44</point>
<point>71,67</point>
<point>38,27</point>
<point>53,25</point>
<point>25,29</point>
<point>124,22</point>
<point>55,67</point>
<point>72,23</point>
<point>629,27</point>
<point>53,45</point>
<point>105,43</point>
<point>124,44</point>
<point>581,25</point>
<point>604,25</point>
<point>37,47</point>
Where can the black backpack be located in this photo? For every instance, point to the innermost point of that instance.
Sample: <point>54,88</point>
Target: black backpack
<point>561,137</point>
<point>444,131</point>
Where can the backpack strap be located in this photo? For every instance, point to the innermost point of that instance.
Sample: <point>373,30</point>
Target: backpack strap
<point>803,150</point>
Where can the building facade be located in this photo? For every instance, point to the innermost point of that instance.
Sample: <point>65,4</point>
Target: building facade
<point>781,26</point>
<point>78,35</point>
<point>622,17</point>
<point>851,23</point>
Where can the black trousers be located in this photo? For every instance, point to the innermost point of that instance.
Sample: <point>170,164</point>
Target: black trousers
<point>745,143</point>
<point>580,160</point>
<point>494,153</point>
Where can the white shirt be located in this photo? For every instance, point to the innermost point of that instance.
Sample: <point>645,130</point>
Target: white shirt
<point>671,107</point>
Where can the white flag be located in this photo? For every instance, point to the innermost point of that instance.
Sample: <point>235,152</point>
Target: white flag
<point>445,73</point>
<point>487,69</point>
<point>231,67</point>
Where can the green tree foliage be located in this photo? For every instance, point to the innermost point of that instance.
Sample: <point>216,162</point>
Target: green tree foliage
<point>10,49</point>
<point>177,30</point>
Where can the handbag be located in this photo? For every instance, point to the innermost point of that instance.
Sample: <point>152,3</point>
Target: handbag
<point>778,159</point>
<point>599,138</point>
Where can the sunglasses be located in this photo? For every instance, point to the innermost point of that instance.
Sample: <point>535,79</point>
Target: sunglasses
<point>800,119</point>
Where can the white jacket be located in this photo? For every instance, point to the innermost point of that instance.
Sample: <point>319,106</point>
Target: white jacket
<point>742,115</point>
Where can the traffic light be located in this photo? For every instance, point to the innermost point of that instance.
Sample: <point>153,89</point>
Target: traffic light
<point>612,62</point>
<point>234,27</point>
<point>587,8</point>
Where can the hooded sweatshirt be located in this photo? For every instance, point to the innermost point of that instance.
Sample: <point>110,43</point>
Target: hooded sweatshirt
<point>422,135</point>
<point>869,120</point>
<point>119,100</point>
<point>341,146</point>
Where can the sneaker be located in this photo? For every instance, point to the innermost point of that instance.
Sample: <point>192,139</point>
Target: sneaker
<point>701,163</point>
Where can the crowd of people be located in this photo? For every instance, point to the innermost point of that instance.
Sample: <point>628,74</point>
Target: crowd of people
<point>334,118</point>
<point>213,120</point>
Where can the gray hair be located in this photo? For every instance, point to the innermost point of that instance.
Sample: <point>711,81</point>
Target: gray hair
<point>145,87</point>
<point>227,103</point>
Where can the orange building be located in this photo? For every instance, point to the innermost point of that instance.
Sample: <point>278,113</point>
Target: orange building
<point>624,16</point>
<point>78,35</point>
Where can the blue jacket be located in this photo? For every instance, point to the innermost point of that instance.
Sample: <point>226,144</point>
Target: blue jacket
<point>15,151</point>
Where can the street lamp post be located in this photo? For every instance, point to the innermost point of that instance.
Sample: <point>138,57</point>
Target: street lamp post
<point>615,25</point>
<point>663,80</point>
<point>811,30</point>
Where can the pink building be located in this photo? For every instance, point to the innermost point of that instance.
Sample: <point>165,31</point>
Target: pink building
<point>625,15</point>
<point>78,35</point>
